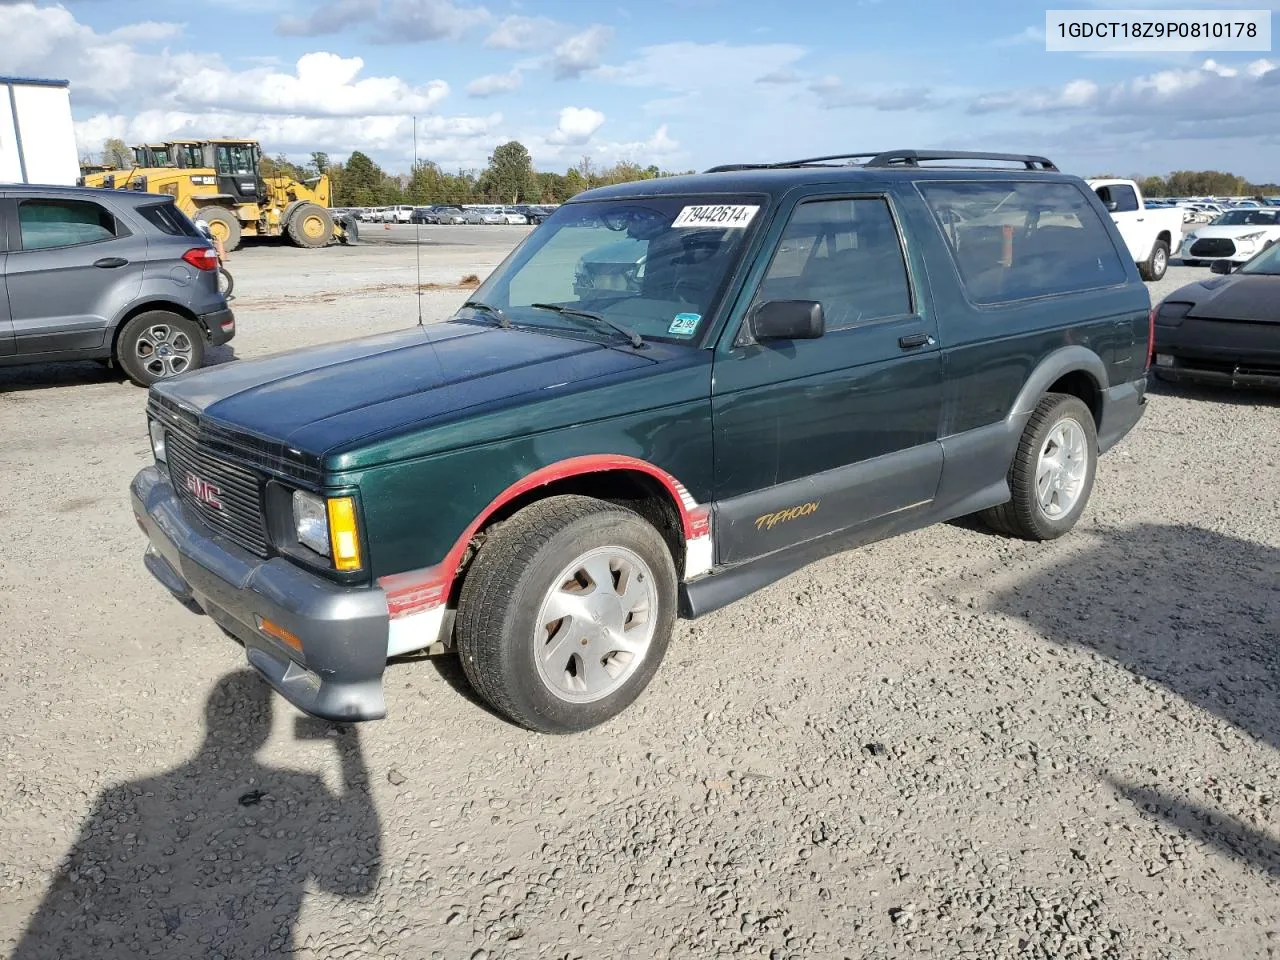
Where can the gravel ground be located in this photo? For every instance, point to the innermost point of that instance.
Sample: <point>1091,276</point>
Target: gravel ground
<point>950,744</point>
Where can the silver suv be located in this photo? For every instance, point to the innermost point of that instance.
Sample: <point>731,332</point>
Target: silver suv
<point>106,275</point>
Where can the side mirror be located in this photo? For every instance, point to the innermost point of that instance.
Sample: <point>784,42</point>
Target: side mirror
<point>1220,266</point>
<point>1112,206</point>
<point>787,320</point>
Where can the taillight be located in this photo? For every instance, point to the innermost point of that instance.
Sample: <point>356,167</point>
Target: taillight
<point>1151,337</point>
<point>202,258</point>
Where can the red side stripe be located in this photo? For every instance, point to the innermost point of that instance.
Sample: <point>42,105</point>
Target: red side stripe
<point>419,590</point>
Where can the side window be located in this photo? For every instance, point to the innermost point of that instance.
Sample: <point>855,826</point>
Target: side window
<point>169,219</point>
<point>63,223</point>
<point>1012,240</point>
<point>844,254</point>
<point>1118,198</point>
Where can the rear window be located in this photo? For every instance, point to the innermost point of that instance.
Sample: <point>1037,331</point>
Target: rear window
<point>1013,240</point>
<point>167,218</point>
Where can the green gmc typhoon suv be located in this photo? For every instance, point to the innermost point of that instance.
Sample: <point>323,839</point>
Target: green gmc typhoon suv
<point>671,394</point>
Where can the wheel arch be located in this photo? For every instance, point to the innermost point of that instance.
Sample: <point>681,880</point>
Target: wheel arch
<point>1076,370</point>
<point>142,307</point>
<point>628,481</point>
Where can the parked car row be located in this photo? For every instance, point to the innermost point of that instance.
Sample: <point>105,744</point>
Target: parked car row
<point>522,213</point>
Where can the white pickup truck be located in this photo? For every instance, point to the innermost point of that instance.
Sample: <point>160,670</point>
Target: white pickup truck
<point>1150,233</point>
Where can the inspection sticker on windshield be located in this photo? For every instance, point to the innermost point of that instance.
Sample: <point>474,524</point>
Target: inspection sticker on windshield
<point>715,215</point>
<point>684,324</point>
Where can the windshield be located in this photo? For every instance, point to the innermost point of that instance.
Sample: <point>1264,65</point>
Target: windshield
<point>657,265</point>
<point>1266,263</point>
<point>1258,217</point>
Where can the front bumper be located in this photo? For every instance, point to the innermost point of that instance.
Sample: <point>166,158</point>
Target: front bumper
<point>337,675</point>
<point>221,325</point>
<point>1220,352</point>
<point>1241,250</point>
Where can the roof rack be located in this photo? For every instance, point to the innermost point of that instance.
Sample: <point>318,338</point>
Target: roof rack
<point>897,158</point>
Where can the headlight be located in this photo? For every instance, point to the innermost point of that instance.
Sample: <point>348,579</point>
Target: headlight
<point>1171,312</point>
<point>311,522</point>
<point>1251,236</point>
<point>328,527</point>
<point>157,441</point>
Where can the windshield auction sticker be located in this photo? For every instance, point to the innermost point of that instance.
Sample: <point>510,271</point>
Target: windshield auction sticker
<point>715,215</point>
<point>1156,31</point>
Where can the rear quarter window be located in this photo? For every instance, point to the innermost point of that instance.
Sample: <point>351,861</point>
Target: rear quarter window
<point>167,218</point>
<point>1018,239</point>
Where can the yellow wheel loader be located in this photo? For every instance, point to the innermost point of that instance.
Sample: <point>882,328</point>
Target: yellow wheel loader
<point>220,182</point>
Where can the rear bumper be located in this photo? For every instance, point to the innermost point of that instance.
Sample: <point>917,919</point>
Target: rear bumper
<point>221,325</point>
<point>1123,407</point>
<point>337,673</point>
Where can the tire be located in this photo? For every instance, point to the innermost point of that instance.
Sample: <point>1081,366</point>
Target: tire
<point>537,561</point>
<point>310,226</point>
<point>223,225</point>
<point>1155,265</point>
<point>1025,516</point>
<point>139,348</point>
<point>226,282</point>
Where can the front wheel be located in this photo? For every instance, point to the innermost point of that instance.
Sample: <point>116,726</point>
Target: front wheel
<point>1052,472</point>
<point>566,613</point>
<point>310,226</point>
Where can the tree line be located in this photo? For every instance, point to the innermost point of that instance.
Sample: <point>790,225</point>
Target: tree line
<point>1201,183</point>
<point>509,177</point>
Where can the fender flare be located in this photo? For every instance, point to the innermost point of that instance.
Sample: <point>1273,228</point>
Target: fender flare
<point>1071,359</point>
<point>418,590</point>
<point>289,211</point>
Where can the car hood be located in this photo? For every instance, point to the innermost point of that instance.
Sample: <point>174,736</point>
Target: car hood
<point>1234,230</point>
<point>321,398</point>
<point>1249,297</point>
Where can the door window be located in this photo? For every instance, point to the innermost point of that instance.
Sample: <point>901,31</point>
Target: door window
<point>234,161</point>
<point>845,254</point>
<point>63,223</point>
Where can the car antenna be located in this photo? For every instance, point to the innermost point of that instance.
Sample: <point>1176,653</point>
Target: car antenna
<point>417,227</point>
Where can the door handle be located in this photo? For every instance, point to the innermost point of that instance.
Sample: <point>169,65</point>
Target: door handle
<point>108,262</point>
<point>1139,219</point>
<point>913,340</point>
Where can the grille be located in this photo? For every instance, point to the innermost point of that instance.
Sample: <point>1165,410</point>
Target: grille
<point>1213,247</point>
<point>239,491</point>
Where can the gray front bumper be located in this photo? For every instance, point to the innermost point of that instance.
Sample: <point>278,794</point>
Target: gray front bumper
<point>343,630</point>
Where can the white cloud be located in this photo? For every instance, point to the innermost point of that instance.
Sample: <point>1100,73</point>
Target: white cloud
<point>148,31</point>
<point>1033,35</point>
<point>323,84</point>
<point>523,33</point>
<point>580,52</point>
<point>412,21</point>
<point>331,17</point>
<point>1209,91</point>
<point>576,126</point>
<point>492,84</point>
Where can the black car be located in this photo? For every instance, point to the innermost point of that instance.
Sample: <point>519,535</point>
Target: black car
<point>422,215</point>
<point>1225,329</point>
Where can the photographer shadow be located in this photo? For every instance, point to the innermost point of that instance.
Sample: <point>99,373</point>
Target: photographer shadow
<point>212,858</point>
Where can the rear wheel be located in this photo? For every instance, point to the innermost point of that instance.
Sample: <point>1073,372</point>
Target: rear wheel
<point>223,225</point>
<point>311,226</point>
<point>1154,267</point>
<point>158,344</point>
<point>566,613</point>
<point>1052,472</point>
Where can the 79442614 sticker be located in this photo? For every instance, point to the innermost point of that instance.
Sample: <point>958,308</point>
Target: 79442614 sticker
<point>716,215</point>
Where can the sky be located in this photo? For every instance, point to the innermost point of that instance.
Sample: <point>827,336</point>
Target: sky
<point>684,84</point>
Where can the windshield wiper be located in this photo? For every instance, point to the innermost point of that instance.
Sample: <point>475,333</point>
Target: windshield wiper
<point>635,339</point>
<point>503,320</point>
